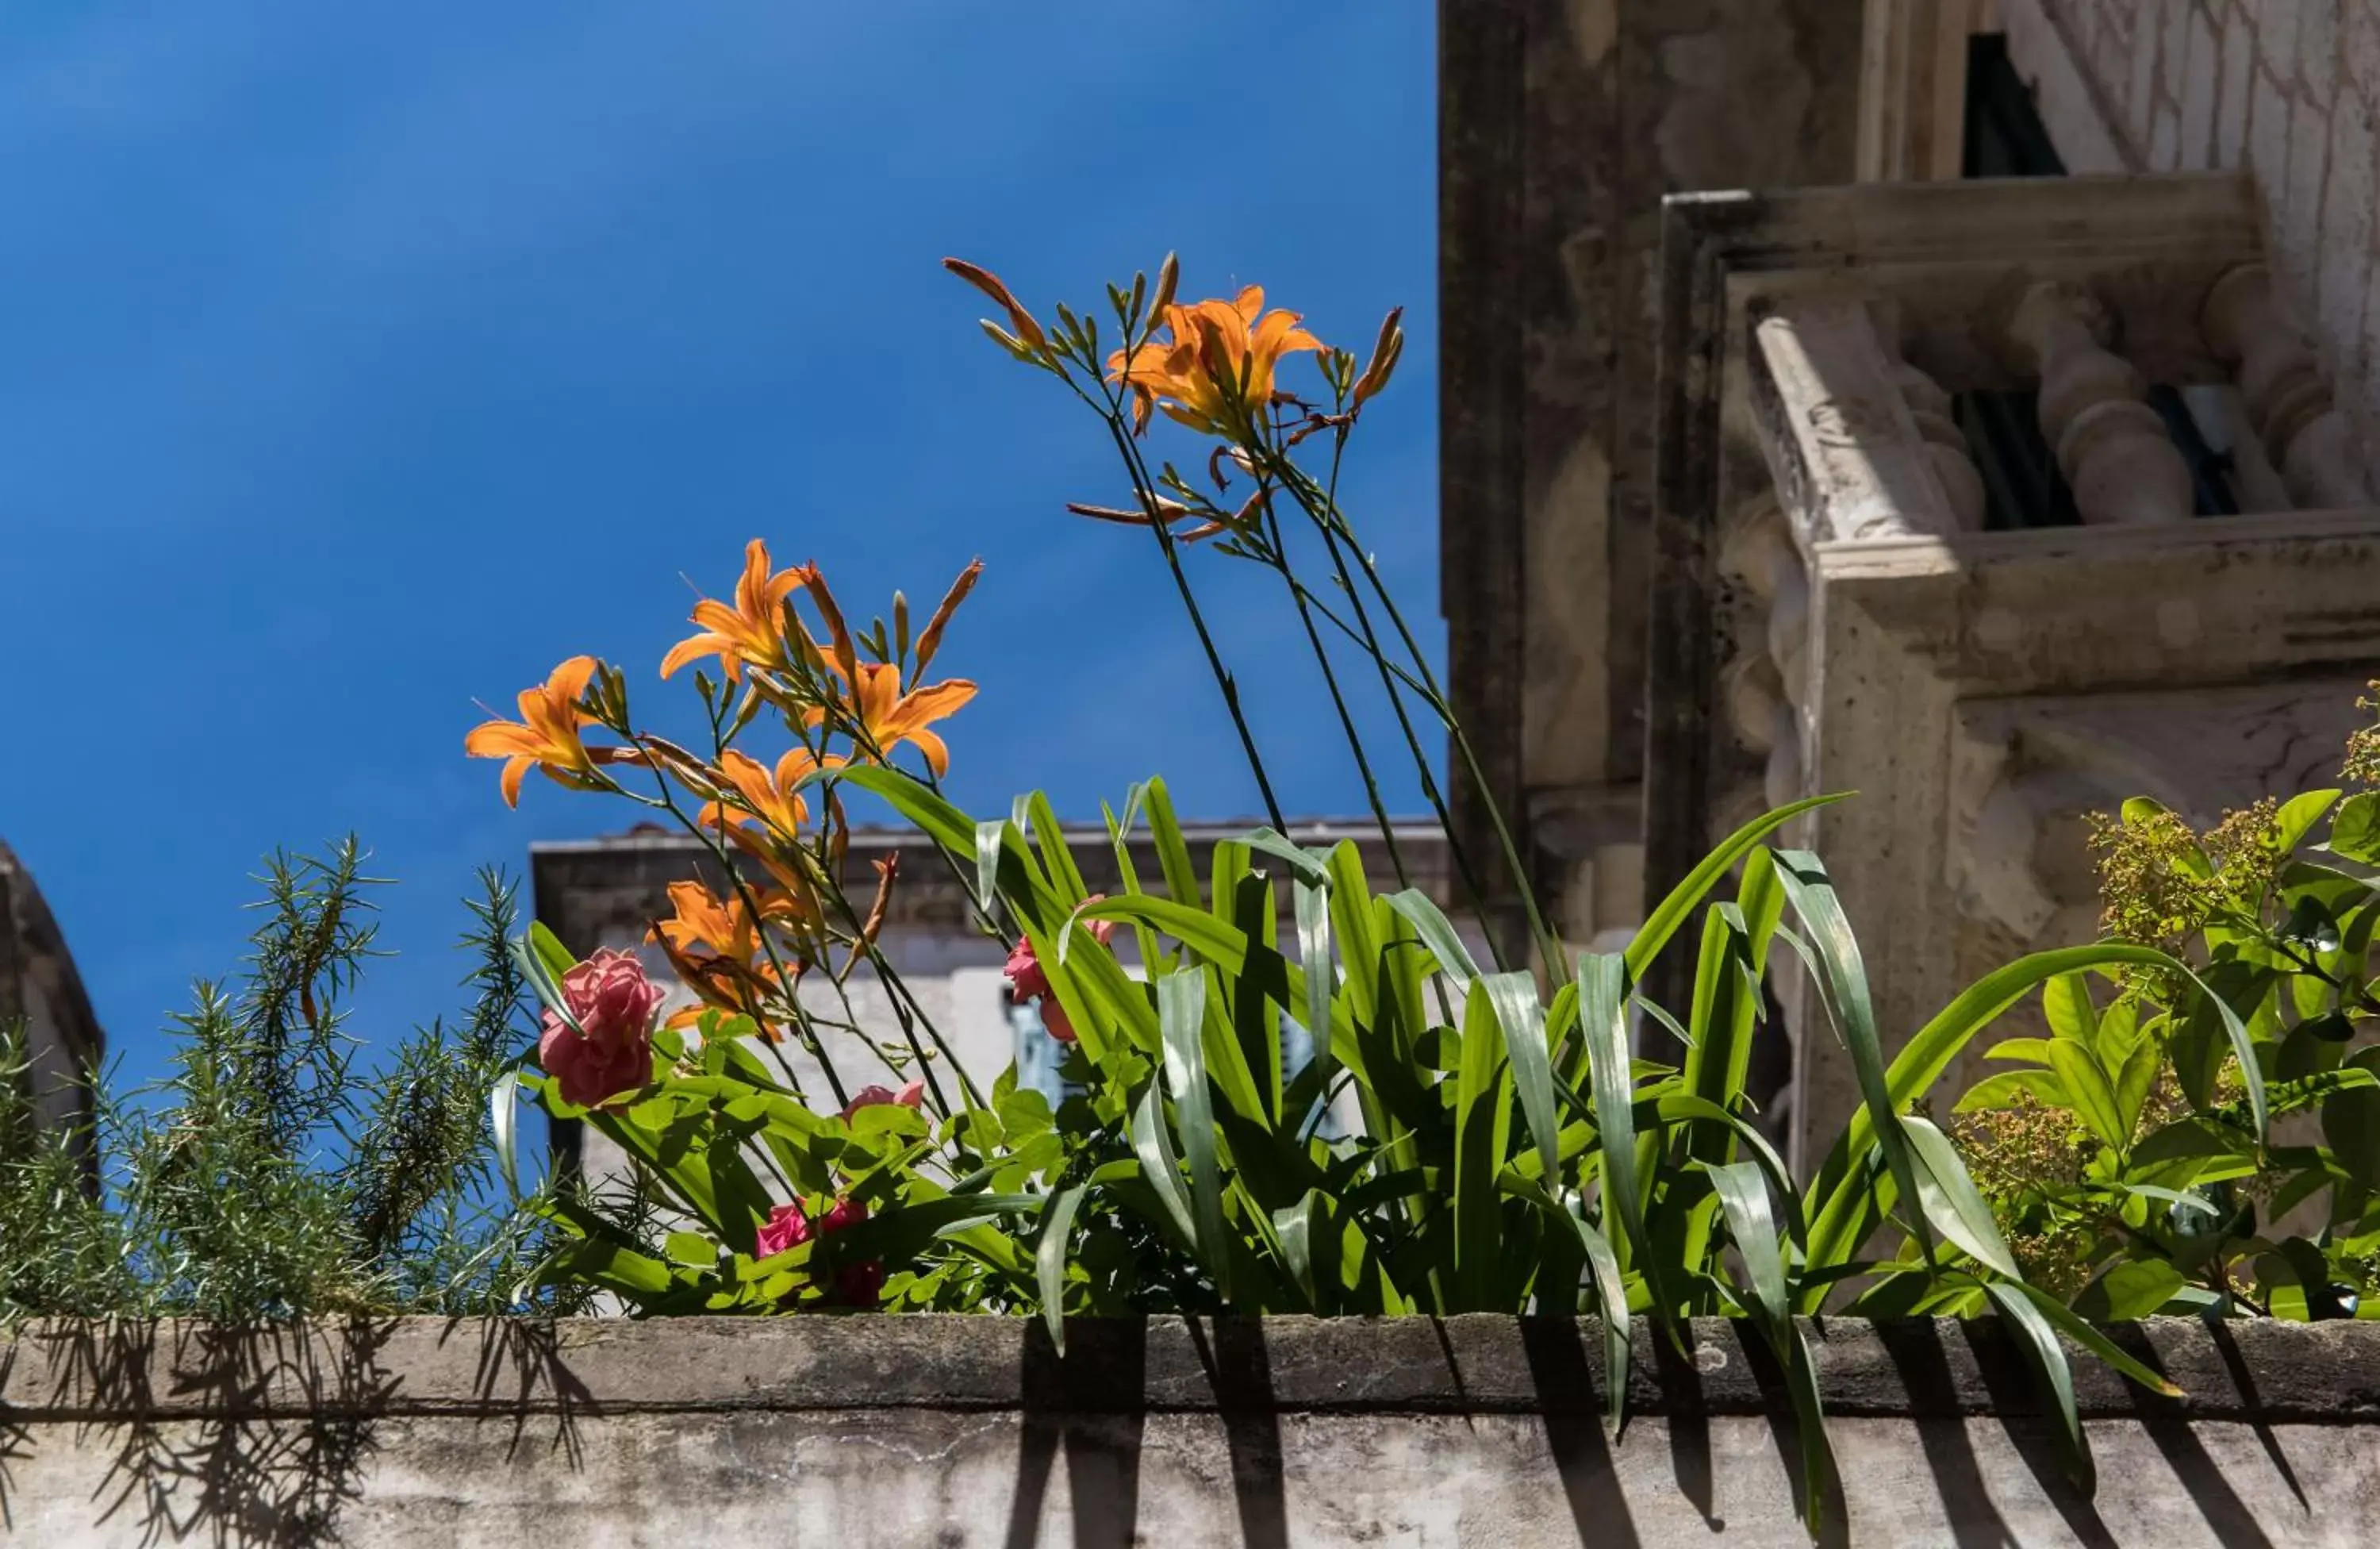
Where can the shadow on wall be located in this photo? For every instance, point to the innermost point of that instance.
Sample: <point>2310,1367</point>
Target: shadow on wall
<point>250,1435</point>
<point>268,1435</point>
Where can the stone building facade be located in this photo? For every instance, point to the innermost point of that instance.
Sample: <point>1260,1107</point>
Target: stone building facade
<point>41,990</point>
<point>2006,450</point>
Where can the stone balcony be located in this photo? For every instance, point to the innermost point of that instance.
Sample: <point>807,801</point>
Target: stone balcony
<point>1838,609</point>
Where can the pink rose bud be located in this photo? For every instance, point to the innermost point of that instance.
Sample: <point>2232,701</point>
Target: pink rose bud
<point>1102,931</point>
<point>1054,1018</point>
<point>1026,982</point>
<point>910,1096</point>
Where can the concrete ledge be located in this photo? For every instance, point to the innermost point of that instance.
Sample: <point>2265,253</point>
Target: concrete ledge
<point>2320,1373</point>
<point>854,1433</point>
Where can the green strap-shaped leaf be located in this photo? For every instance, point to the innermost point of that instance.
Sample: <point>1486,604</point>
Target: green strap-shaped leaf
<point>1743,1197</point>
<point>1676,908</point>
<point>2064,1320</point>
<point>1438,935</point>
<point>1514,997</point>
<point>991,838</point>
<point>1172,850</point>
<point>1845,977</point>
<point>1297,1227</point>
<point>1159,1166</point>
<point>2047,1359</point>
<point>1482,1101</point>
<point>1603,1022</point>
<point>1313,905</point>
<point>1950,1200</point>
<point>1304,865</point>
<point>1181,1013</point>
<point>504,1116</point>
<point>550,950</point>
<point>1049,1260</point>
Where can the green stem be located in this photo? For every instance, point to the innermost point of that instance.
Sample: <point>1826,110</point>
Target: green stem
<point>1325,513</point>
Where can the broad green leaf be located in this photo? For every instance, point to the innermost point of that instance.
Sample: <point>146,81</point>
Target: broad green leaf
<point>1742,1193</point>
<point>2065,1002</point>
<point>2033,1049</point>
<point>1682,902</point>
<point>2350,1122</point>
<point>1050,1260</point>
<point>2134,1288</point>
<point>2087,1092</point>
<point>691,1249</point>
<point>2135,1078</point>
<point>615,1268</point>
<point>2355,832</point>
<point>2003,1090</point>
<point>2298,814</point>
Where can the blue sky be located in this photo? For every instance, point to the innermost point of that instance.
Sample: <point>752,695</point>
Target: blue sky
<point>360,364</point>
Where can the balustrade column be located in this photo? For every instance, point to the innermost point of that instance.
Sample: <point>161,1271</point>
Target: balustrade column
<point>2304,435</point>
<point>2114,450</point>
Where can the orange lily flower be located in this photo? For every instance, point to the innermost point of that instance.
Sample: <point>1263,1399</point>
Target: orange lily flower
<point>700,917</point>
<point>770,796</point>
<point>546,737</point>
<point>751,631</point>
<point>887,717</point>
<point>1194,368</point>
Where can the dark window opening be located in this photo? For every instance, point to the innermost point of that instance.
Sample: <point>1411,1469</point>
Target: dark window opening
<point>2022,485</point>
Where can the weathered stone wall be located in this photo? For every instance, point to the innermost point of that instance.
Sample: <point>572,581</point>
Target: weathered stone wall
<point>1563,123</point>
<point>971,1430</point>
<point>2284,89</point>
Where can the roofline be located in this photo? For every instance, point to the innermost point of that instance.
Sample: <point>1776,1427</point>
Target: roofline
<point>1422,830</point>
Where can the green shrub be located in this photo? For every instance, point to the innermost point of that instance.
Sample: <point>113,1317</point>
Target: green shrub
<point>267,1176</point>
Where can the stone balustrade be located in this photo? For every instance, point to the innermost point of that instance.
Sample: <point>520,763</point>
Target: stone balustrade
<point>1838,615</point>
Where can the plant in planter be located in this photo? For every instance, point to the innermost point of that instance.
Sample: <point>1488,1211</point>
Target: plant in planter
<point>1516,1151</point>
<point>2127,1159</point>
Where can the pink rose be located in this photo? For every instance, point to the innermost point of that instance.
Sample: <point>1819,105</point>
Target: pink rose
<point>612,1052</point>
<point>1054,1018</point>
<point>856,1285</point>
<point>787,1227</point>
<point>910,1096</point>
<point>1102,931</point>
